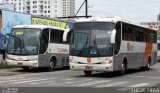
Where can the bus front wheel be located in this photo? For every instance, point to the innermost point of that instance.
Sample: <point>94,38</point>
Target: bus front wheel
<point>148,67</point>
<point>87,73</point>
<point>123,68</point>
<point>52,65</point>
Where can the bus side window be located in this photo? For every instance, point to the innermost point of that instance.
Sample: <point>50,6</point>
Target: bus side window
<point>152,37</point>
<point>127,34</point>
<point>56,36</point>
<point>118,38</point>
<point>137,36</point>
<point>69,37</point>
<point>158,46</point>
<point>44,40</point>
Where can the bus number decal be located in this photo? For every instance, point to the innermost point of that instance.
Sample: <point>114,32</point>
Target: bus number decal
<point>62,50</point>
<point>129,46</point>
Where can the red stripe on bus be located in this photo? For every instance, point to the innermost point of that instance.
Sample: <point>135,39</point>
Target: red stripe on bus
<point>148,52</point>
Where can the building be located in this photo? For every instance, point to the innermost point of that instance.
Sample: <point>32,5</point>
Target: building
<point>47,8</point>
<point>154,25</point>
<point>7,6</point>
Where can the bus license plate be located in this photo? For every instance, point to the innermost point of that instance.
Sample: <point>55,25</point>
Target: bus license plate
<point>20,64</point>
<point>88,67</point>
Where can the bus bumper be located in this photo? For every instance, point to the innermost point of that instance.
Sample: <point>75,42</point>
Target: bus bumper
<point>22,63</point>
<point>91,67</point>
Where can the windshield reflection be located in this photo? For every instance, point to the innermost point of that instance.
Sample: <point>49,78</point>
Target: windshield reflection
<point>24,41</point>
<point>92,39</point>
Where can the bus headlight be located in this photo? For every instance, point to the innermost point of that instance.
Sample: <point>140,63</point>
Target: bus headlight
<point>72,61</point>
<point>107,62</point>
<point>9,58</point>
<point>33,59</point>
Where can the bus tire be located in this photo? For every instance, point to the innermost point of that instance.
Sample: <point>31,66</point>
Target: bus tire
<point>88,73</point>
<point>25,68</point>
<point>123,68</point>
<point>148,67</point>
<point>52,65</point>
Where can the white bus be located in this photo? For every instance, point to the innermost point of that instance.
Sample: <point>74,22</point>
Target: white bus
<point>37,46</point>
<point>111,44</point>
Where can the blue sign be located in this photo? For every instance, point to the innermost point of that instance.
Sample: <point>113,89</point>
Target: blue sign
<point>91,52</point>
<point>10,19</point>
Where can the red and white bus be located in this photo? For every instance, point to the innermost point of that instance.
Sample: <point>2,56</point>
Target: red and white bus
<point>111,44</point>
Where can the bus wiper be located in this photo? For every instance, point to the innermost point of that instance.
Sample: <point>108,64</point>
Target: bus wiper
<point>84,47</point>
<point>95,47</point>
<point>23,45</point>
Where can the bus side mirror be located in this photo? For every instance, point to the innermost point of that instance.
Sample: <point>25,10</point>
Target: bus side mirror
<point>6,40</point>
<point>113,36</point>
<point>65,35</point>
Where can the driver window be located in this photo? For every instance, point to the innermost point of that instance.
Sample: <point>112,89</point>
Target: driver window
<point>44,40</point>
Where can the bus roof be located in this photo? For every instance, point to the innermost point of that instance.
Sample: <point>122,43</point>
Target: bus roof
<point>110,19</point>
<point>37,26</point>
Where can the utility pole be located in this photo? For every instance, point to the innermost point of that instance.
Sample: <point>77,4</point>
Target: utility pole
<point>86,8</point>
<point>86,11</point>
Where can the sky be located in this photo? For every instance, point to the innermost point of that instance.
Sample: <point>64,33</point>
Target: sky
<point>134,10</point>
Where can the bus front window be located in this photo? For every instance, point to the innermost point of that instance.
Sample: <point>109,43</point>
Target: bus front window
<point>81,42</point>
<point>100,43</point>
<point>24,42</point>
<point>92,39</point>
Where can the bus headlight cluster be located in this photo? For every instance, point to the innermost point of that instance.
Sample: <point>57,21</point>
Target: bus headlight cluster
<point>9,58</point>
<point>72,61</point>
<point>107,62</point>
<point>33,59</point>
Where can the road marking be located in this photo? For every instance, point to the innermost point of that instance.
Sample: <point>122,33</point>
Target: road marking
<point>51,83</point>
<point>14,80</point>
<point>139,85</point>
<point>143,77</point>
<point>80,81</point>
<point>41,82</point>
<point>44,81</point>
<point>8,78</point>
<point>123,89</point>
<point>28,81</point>
<point>68,82</point>
<point>113,84</point>
<point>58,72</point>
<point>92,83</point>
<point>69,79</point>
<point>19,80</point>
<point>54,83</point>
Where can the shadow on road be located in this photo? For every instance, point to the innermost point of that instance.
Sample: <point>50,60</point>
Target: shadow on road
<point>39,70</point>
<point>114,74</point>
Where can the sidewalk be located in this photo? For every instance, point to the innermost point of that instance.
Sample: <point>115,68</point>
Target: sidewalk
<point>1,61</point>
<point>10,71</point>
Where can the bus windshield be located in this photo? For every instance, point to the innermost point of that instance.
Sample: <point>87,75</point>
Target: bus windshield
<point>24,41</point>
<point>92,39</point>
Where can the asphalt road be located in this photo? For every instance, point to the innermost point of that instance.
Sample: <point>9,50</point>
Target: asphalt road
<point>66,81</point>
